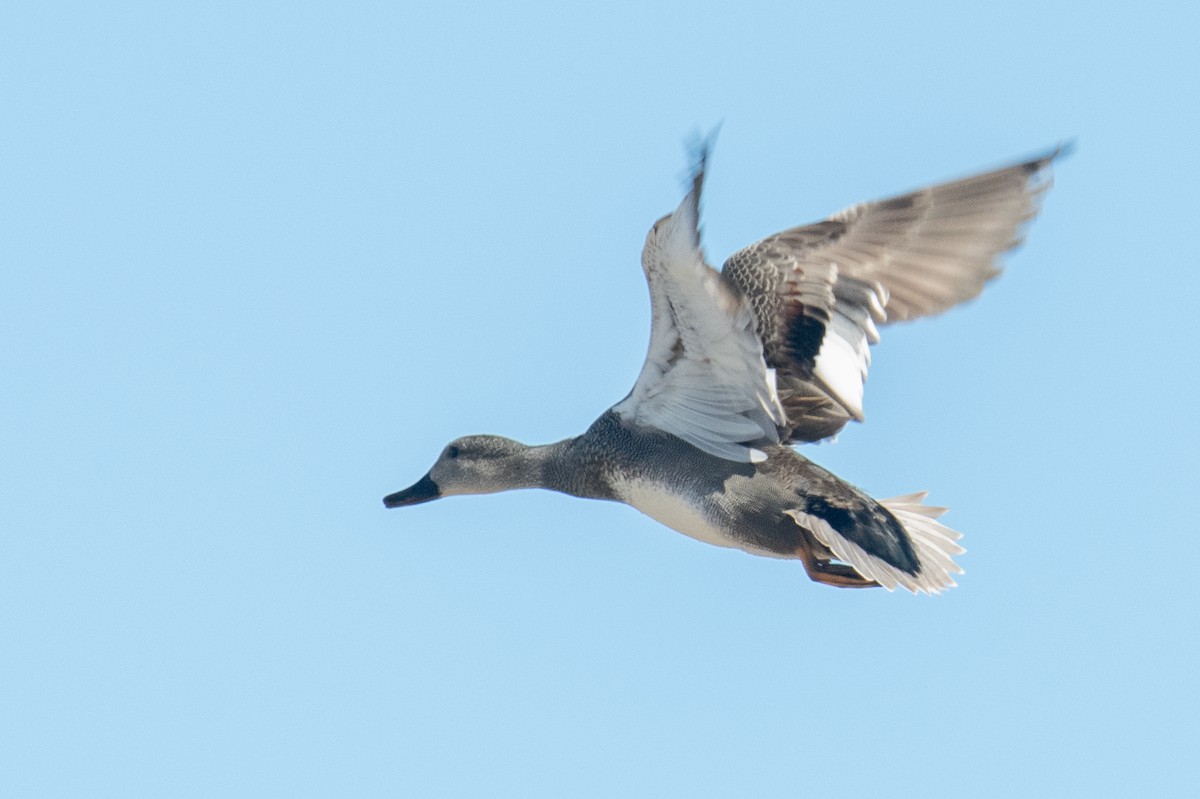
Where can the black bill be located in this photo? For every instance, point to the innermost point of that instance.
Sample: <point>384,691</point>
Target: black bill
<point>422,491</point>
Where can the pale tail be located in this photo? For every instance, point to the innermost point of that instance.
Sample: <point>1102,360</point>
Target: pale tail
<point>934,543</point>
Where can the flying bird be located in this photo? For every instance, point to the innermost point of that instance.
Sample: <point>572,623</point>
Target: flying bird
<point>771,351</point>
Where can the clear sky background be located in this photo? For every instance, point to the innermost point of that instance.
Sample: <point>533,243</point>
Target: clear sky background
<point>260,262</point>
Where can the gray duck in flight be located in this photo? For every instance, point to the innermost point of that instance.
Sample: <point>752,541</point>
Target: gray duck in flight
<point>772,351</point>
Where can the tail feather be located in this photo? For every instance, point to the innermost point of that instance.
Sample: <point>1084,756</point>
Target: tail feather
<point>935,545</point>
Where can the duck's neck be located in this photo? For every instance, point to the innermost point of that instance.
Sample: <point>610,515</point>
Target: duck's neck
<point>560,467</point>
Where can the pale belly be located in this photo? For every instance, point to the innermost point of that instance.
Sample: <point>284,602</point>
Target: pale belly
<point>676,512</point>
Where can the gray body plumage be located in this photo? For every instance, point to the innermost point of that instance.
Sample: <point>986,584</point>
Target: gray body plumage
<point>773,350</point>
<point>747,502</point>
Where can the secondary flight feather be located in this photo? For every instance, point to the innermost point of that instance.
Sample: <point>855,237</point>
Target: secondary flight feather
<point>774,350</point>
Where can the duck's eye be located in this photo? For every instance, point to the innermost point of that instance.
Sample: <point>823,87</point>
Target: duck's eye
<point>452,452</point>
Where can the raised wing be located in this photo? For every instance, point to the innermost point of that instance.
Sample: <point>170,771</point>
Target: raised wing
<point>704,379</point>
<point>818,291</point>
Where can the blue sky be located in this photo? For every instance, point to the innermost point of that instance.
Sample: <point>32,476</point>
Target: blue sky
<point>260,262</point>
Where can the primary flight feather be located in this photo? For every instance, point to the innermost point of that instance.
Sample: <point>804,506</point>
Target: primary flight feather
<point>770,351</point>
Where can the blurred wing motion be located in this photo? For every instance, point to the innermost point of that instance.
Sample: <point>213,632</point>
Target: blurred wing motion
<point>818,291</point>
<point>704,379</point>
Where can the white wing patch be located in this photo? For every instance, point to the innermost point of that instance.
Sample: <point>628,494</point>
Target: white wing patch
<point>841,364</point>
<point>911,255</point>
<point>704,380</point>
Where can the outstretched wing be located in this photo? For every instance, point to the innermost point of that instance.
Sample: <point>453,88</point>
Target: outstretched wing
<point>818,291</point>
<point>704,380</point>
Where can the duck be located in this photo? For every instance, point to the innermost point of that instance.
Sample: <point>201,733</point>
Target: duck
<point>768,353</point>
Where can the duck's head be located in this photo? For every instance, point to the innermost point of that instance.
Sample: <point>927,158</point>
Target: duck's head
<point>469,465</point>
